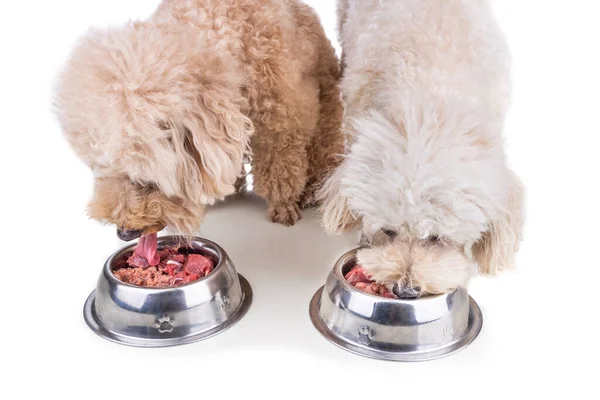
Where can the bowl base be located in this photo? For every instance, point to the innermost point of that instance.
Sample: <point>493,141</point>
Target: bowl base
<point>92,321</point>
<point>474,327</point>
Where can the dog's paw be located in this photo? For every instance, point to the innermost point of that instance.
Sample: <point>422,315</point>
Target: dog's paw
<point>285,214</point>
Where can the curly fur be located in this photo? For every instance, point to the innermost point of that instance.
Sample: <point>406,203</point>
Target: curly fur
<point>165,110</point>
<point>426,87</point>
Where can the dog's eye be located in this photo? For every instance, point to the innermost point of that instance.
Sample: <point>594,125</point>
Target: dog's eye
<point>433,239</point>
<point>164,126</point>
<point>390,233</point>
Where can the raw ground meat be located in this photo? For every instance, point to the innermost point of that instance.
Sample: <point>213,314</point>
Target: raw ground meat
<point>358,278</point>
<point>174,269</point>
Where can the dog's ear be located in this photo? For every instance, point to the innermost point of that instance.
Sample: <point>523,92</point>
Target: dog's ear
<point>210,131</point>
<point>337,218</point>
<point>215,135</point>
<point>496,250</point>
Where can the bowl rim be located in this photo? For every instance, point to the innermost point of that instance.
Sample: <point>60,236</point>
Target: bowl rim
<point>221,255</point>
<point>350,256</point>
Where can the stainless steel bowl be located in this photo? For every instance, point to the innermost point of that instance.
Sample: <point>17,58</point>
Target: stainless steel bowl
<point>422,329</point>
<point>150,317</point>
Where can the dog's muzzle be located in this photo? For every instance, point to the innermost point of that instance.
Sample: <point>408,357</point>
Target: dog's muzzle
<point>406,292</point>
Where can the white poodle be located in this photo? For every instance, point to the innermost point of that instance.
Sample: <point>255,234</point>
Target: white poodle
<point>426,87</point>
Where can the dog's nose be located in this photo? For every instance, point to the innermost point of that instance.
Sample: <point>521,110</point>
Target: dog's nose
<point>406,292</point>
<point>128,235</point>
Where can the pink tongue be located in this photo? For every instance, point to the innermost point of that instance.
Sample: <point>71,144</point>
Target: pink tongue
<point>146,248</point>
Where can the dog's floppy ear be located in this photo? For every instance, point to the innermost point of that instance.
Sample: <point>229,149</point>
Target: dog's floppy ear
<point>211,132</point>
<point>215,135</point>
<point>497,248</point>
<point>337,218</point>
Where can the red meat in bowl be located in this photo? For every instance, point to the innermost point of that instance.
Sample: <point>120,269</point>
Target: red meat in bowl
<point>358,278</point>
<point>174,269</point>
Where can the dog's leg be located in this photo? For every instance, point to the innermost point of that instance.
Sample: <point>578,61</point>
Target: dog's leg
<point>280,161</point>
<point>327,146</point>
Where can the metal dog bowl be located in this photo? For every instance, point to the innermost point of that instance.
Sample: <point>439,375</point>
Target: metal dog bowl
<point>151,317</point>
<point>426,328</point>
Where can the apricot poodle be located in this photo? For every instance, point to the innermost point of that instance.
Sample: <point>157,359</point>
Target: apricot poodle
<point>165,110</point>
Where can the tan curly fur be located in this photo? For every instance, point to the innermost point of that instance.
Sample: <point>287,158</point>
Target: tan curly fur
<point>165,110</point>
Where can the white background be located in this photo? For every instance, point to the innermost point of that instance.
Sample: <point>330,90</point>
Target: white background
<point>540,331</point>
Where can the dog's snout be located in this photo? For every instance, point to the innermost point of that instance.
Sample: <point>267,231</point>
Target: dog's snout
<point>406,292</point>
<point>128,235</point>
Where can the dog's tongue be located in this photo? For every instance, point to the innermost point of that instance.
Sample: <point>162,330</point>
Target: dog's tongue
<point>146,247</point>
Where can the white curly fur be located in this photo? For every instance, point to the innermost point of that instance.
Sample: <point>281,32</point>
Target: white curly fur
<point>426,87</point>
